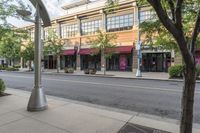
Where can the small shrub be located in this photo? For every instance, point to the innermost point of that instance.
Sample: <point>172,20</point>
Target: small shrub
<point>92,71</point>
<point>2,86</point>
<point>69,70</point>
<point>86,71</point>
<point>176,71</point>
<point>17,66</point>
<point>198,71</point>
<point>11,69</point>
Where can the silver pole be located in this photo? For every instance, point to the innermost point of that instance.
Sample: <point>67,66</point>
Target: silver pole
<point>138,73</point>
<point>37,101</point>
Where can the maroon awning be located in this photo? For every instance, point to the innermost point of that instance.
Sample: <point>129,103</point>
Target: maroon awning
<point>88,51</point>
<point>69,52</point>
<point>121,49</point>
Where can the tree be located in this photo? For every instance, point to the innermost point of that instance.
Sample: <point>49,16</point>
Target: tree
<point>54,45</point>
<point>27,52</point>
<point>175,15</point>
<point>104,42</point>
<point>10,46</point>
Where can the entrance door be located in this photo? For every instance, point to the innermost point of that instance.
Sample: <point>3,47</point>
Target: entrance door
<point>155,62</point>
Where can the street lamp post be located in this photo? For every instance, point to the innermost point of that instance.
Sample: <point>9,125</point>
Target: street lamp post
<point>37,101</point>
<point>138,73</point>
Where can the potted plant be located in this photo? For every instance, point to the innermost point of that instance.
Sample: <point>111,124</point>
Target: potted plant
<point>69,70</point>
<point>92,71</point>
<point>86,71</point>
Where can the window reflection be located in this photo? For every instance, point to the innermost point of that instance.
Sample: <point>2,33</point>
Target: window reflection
<point>90,27</point>
<point>120,23</point>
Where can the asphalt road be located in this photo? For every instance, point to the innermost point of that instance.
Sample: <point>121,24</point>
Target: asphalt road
<point>160,98</point>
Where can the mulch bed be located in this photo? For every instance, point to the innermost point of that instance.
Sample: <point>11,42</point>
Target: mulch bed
<point>4,94</point>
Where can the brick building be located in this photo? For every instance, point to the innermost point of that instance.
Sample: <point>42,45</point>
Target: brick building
<point>81,22</point>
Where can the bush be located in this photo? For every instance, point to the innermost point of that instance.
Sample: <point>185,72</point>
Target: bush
<point>2,67</point>
<point>2,86</point>
<point>198,71</point>
<point>17,66</point>
<point>11,69</point>
<point>90,71</point>
<point>69,70</point>
<point>86,71</point>
<point>176,71</point>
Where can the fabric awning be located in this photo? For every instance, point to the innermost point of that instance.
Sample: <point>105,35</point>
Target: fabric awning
<point>69,52</point>
<point>121,49</point>
<point>88,51</point>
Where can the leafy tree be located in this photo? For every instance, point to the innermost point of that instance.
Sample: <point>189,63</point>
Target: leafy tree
<point>180,19</point>
<point>104,42</point>
<point>27,52</point>
<point>54,45</point>
<point>10,46</point>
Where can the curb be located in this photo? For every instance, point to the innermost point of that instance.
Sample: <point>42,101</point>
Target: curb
<point>107,76</point>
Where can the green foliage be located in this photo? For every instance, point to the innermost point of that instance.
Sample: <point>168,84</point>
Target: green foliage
<point>53,44</point>
<point>2,86</point>
<point>111,6</point>
<point>69,70</point>
<point>11,69</point>
<point>28,52</point>
<point>104,42</point>
<point>10,43</point>
<point>198,71</point>
<point>176,71</point>
<point>156,34</point>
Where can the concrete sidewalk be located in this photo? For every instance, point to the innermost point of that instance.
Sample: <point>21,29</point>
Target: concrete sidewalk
<point>67,116</point>
<point>115,74</point>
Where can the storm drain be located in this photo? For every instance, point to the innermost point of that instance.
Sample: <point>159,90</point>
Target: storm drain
<point>133,128</point>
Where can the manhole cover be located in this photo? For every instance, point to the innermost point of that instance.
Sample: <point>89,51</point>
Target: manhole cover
<point>133,128</point>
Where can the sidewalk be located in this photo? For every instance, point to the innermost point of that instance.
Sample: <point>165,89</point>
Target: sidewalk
<point>116,74</point>
<point>67,116</point>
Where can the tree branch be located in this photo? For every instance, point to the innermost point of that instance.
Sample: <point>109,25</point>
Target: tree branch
<point>195,33</point>
<point>178,13</point>
<point>172,8</point>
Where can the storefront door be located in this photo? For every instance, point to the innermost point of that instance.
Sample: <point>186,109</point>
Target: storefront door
<point>155,62</point>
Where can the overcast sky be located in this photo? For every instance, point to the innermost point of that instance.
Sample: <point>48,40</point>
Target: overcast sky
<point>53,7</point>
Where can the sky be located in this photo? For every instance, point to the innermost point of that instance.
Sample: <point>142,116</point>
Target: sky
<point>53,7</point>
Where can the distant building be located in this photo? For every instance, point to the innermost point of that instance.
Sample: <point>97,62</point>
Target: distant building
<point>84,18</point>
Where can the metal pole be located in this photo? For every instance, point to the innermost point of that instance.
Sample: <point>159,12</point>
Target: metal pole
<point>37,101</point>
<point>138,73</point>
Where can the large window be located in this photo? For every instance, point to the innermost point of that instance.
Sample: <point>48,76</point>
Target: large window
<point>146,15</point>
<point>90,27</point>
<point>69,30</point>
<point>119,23</point>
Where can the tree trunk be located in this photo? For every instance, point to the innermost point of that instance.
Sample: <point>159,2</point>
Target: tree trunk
<point>58,63</point>
<point>188,99</point>
<point>104,71</point>
<point>29,65</point>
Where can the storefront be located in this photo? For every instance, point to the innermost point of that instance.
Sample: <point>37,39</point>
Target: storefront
<point>197,57</point>
<point>90,58</point>
<point>121,60</point>
<point>69,58</point>
<point>50,62</point>
<point>156,62</point>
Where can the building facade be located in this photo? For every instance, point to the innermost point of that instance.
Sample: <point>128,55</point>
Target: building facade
<point>82,21</point>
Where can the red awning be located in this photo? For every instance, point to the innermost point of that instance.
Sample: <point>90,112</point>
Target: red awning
<point>88,51</point>
<point>121,49</point>
<point>69,52</point>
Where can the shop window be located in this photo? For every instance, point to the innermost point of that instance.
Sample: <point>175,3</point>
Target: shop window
<point>120,23</point>
<point>90,27</point>
<point>69,30</point>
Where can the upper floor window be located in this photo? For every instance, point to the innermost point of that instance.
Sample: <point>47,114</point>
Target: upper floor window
<point>90,27</point>
<point>146,15</point>
<point>119,23</point>
<point>69,30</point>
